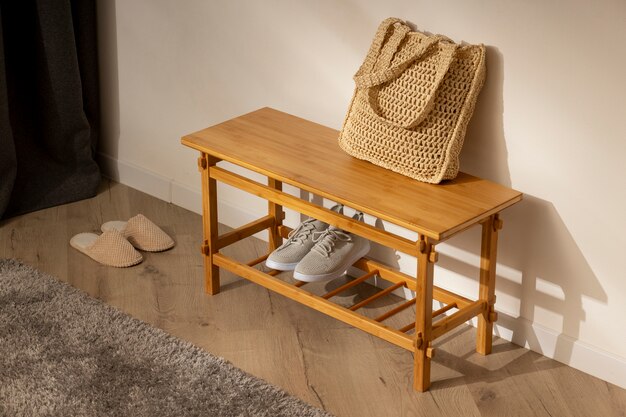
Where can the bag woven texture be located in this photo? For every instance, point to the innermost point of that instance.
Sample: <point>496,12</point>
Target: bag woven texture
<point>414,96</point>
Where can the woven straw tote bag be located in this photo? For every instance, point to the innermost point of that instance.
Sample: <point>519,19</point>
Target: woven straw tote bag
<point>414,96</point>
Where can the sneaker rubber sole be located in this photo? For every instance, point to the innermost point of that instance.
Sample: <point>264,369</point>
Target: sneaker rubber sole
<point>280,266</point>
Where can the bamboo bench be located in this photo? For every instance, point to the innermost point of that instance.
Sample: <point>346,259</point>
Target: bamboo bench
<point>303,154</point>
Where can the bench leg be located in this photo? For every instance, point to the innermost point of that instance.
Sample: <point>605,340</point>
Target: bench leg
<point>276,211</point>
<point>423,315</point>
<point>209,224</point>
<point>488,254</point>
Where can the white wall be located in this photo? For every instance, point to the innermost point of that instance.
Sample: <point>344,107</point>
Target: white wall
<point>549,122</point>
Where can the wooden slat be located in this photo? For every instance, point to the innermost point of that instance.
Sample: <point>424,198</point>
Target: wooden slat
<point>318,303</point>
<point>444,309</point>
<point>312,210</point>
<point>448,323</point>
<point>349,285</point>
<point>258,260</point>
<point>387,273</point>
<point>448,297</point>
<point>487,282</point>
<point>410,326</point>
<point>393,275</point>
<point>245,231</point>
<point>423,315</point>
<point>276,211</point>
<point>209,224</point>
<point>284,231</point>
<point>376,296</point>
<point>300,283</point>
<point>279,145</point>
<point>396,310</point>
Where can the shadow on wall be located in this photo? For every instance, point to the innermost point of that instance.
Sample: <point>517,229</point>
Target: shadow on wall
<point>535,241</point>
<point>109,79</point>
<point>484,150</point>
<point>555,277</point>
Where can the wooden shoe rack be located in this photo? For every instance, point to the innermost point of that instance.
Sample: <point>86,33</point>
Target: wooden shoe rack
<point>287,149</point>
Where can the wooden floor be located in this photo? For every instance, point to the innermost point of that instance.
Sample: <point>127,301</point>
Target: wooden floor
<point>321,360</point>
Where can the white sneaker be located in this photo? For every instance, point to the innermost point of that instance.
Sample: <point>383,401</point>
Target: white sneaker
<point>298,244</point>
<point>334,252</point>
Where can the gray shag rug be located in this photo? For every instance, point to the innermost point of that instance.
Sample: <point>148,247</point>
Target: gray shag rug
<point>64,353</point>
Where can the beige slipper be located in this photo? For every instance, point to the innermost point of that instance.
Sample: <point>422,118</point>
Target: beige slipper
<point>110,248</point>
<point>141,233</point>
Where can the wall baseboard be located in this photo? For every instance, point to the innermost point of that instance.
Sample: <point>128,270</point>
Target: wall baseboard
<point>547,342</point>
<point>167,189</point>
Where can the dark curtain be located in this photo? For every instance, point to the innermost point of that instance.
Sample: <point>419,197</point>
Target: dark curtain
<point>49,105</point>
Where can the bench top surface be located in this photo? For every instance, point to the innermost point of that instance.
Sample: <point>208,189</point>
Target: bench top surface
<point>306,155</point>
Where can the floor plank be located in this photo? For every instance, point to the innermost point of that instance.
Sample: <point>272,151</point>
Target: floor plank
<point>321,360</point>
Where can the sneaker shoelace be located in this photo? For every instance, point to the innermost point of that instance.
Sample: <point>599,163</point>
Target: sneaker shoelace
<point>299,234</point>
<point>326,240</point>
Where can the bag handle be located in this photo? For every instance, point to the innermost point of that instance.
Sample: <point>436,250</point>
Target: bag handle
<point>446,57</point>
<point>386,53</point>
<point>377,44</point>
<point>375,78</point>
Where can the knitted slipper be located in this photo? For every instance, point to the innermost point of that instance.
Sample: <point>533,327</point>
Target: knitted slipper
<point>110,248</point>
<point>141,233</point>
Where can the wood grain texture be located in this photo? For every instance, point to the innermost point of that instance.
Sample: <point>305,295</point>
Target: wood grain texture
<point>312,300</point>
<point>276,211</point>
<point>313,210</point>
<point>423,316</point>
<point>317,358</point>
<point>210,244</point>
<point>306,155</point>
<point>487,283</point>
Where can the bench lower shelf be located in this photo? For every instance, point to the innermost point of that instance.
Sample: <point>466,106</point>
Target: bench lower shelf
<point>399,337</point>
